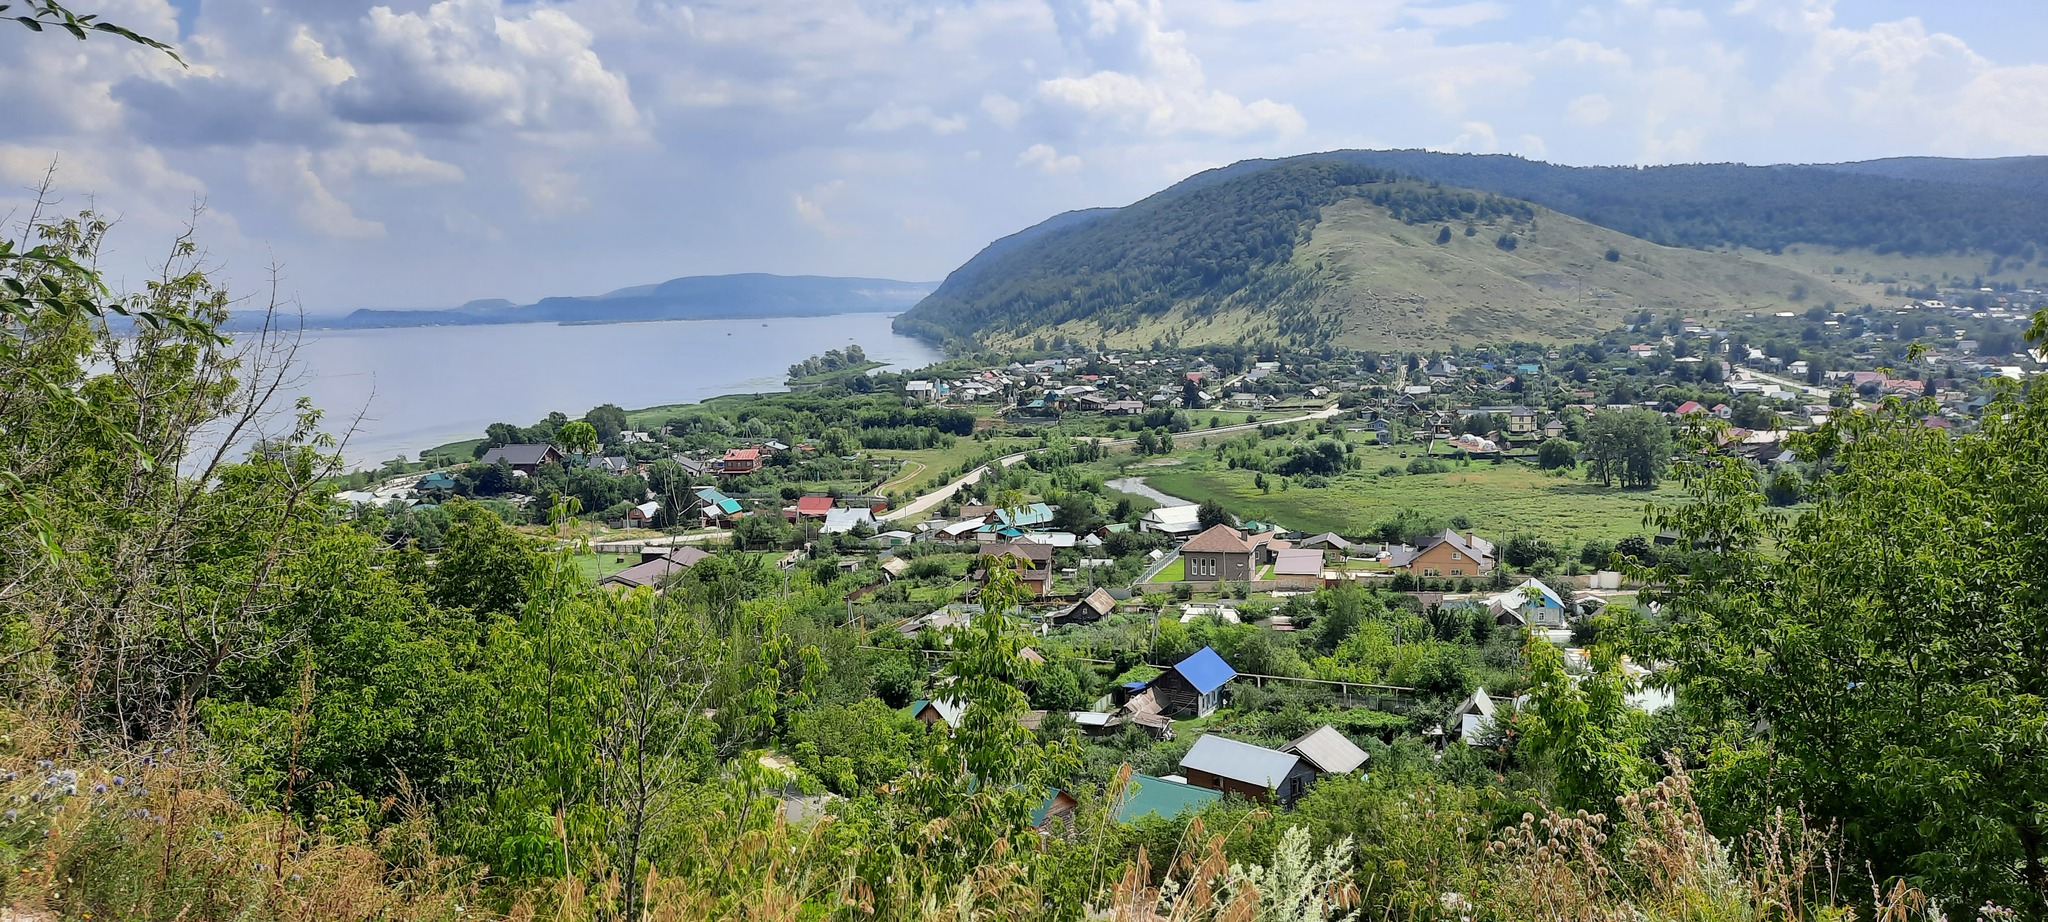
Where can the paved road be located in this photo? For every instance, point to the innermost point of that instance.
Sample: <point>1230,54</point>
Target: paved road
<point>932,499</point>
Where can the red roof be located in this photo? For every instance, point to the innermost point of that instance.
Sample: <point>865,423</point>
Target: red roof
<point>813,505</point>
<point>1690,407</point>
<point>743,454</point>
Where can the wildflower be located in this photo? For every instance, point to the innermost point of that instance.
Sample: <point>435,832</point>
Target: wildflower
<point>118,781</point>
<point>10,814</point>
<point>43,765</point>
<point>100,788</point>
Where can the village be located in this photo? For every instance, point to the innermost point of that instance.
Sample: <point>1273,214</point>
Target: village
<point>1209,640</point>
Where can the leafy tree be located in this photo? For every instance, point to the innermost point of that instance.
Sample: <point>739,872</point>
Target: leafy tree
<point>484,565</point>
<point>1526,550</point>
<point>1582,727</point>
<point>1554,454</point>
<point>1878,656</point>
<point>852,748</point>
<point>581,437</point>
<point>1785,488</point>
<point>608,419</point>
<point>1630,446</point>
<point>1211,513</point>
<point>897,679</point>
<point>42,14</point>
<point>760,533</point>
<point>1443,235</point>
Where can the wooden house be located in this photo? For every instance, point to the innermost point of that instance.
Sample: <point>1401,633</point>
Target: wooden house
<point>1253,772</point>
<point>1194,686</point>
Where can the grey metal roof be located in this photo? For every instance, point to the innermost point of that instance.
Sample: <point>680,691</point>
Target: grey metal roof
<point>1228,758</point>
<point>1328,750</point>
<point>1298,562</point>
<point>517,454</point>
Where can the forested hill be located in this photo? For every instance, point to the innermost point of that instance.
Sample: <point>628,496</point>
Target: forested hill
<point>2025,175</point>
<point>697,297</point>
<point>1208,244</point>
<point>1920,205</point>
<point>1327,248</point>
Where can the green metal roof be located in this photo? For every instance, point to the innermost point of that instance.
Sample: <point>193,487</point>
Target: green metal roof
<point>1149,796</point>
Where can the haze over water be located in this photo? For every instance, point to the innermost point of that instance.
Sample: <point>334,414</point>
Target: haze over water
<point>426,386</point>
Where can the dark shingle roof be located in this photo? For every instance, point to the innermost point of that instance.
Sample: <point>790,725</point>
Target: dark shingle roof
<point>518,454</point>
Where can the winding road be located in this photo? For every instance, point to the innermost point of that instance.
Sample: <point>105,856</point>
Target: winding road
<point>932,499</point>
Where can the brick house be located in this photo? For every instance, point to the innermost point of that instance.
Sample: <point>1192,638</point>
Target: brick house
<point>1220,553</point>
<point>1454,555</point>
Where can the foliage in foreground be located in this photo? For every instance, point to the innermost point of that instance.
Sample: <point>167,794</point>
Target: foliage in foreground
<point>226,701</point>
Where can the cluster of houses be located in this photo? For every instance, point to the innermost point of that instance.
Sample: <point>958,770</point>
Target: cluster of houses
<point>1110,384</point>
<point>1215,765</point>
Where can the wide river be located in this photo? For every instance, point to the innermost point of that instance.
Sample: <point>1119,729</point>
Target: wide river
<point>425,386</point>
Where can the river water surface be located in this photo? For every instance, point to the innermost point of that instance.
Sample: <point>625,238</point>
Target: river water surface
<point>424,386</point>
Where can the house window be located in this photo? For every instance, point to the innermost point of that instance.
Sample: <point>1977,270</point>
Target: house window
<point>1429,571</point>
<point>1455,571</point>
<point>1456,556</point>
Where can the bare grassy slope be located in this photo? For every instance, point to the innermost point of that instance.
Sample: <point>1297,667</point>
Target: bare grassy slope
<point>1380,282</point>
<point>1393,285</point>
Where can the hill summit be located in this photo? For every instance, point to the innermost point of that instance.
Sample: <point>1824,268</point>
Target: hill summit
<point>1385,249</point>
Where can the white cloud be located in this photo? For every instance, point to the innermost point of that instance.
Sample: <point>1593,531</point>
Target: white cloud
<point>1457,16</point>
<point>313,206</point>
<point>1475,138</point>
<point>552,192</point>
<point>1590,109</point>
<point>388,163</point>
<point>654,139</point>
<point>1162,89</point>
<point>893,117</point>
<point>810,207</point>
<point>1046,159</point>
<point>469,62</point>
<point>1001,109</point>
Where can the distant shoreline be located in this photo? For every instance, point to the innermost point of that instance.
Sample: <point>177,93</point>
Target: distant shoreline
<point>335,325</point>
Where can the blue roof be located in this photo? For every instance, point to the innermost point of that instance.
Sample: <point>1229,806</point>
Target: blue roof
<point>1205,670</point>
<point>711,495</point>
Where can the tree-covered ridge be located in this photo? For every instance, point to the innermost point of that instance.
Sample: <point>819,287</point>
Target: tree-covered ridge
<point>1201,246</point>
<point>1910,207</point>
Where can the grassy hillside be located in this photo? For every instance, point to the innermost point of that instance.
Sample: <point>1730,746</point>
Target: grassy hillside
<point>1365,277</point>
<point>1204,249</point>
<point>1389,285</point>
<point>1341,247</point>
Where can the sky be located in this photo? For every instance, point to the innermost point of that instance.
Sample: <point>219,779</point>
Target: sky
<point>422,154</point>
